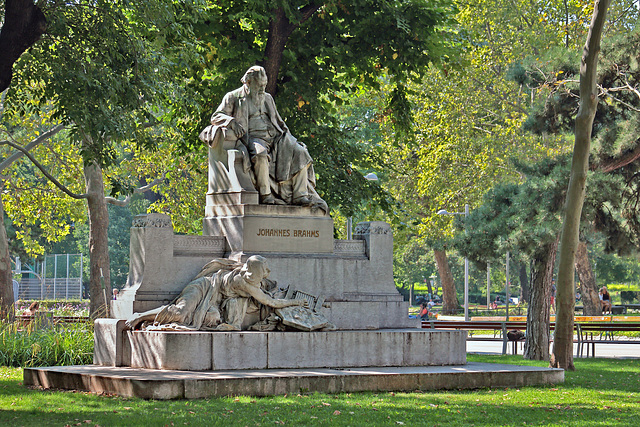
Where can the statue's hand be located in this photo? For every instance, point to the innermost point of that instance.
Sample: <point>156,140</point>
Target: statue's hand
<point>302,302</point>
<point>237,129</point>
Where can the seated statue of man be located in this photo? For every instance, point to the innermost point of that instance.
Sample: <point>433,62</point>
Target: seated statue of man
<point>218,298</point>
<point>282,166</point>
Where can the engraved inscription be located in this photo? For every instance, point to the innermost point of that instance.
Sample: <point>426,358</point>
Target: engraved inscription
<point>286,232</point>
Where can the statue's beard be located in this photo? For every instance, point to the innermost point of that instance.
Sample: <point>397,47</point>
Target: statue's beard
<point>257,98</point>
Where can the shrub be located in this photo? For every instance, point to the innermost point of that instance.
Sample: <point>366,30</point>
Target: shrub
<point>46,346</point>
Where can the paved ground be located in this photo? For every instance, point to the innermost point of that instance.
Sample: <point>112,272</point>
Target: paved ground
<point>603,350</point>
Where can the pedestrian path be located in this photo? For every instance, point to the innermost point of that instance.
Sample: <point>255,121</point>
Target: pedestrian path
<point>620,351</point>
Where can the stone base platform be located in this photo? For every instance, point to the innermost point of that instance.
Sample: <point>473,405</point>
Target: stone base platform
<point>158,384</point>
<point>203,351</point>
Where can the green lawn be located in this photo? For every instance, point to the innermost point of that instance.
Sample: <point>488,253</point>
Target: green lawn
<point>599,392</point>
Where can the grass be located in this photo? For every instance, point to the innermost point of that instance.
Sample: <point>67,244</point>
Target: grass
<point>600,392</point>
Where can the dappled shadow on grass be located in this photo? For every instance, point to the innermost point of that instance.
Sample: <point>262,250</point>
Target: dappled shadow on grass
<point>479,408</point>
<point>604,374</point>
<point>585,399</point>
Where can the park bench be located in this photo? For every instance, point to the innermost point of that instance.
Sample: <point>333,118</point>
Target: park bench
<point>497,327</point>
<point>590,334</point>
<point>616,309</point>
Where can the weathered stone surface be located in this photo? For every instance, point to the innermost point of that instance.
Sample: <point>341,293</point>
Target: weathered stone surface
<point>355,277</point>
<point>170,350</point>
<point>239,350</point>
<point>154,384</point>
<point>277,350</point>
<point>264,229</point>
<point>161,264</point>
<point>108,342</point>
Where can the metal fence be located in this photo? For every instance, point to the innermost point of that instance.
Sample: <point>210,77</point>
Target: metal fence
<point>58,276</point>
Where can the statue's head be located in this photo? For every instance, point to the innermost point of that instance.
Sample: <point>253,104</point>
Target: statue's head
<point>255,269</point>
<point>256,80</point>
<point>253,73</point>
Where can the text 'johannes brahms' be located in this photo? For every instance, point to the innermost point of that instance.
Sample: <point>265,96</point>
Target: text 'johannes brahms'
<point>286,232</point>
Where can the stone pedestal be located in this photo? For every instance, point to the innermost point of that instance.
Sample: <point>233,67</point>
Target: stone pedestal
<point>161,263</point>
<point>252,229</point>
<point>354,276</point>
<point>204,351</point>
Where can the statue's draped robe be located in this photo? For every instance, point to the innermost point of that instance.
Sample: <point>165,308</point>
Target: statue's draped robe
<point>200,296</point>
<point>288,155</point>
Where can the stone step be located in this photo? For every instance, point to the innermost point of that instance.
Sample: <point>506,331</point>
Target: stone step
<point>170,384</point>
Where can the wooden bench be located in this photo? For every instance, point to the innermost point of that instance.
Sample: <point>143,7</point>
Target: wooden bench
<point>496,326</point>
<point>604,333</point>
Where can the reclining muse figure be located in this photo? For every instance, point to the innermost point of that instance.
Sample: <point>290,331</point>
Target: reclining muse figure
<point>218,298</point>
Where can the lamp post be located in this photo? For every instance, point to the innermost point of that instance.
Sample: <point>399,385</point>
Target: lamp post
<point>369,177</point>
<point>466,262</point>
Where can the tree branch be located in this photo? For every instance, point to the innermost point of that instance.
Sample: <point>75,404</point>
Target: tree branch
<point>15,156</point>
<point>50,177</point>
<point>612,163</point>
<point>139,190</point>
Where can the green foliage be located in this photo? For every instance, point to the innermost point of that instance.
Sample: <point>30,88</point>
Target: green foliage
<point>340,51</point>
<point>523,218</point>
<point>577,402</point>
<point>552,80</point>
<point>107,67</point>
<point>413,263</point>
<point>33,346</point>
<point>469,121</point>
<point>69,307</point>
<point>40,215</point>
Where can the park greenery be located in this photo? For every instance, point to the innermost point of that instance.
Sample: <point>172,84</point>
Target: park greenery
<point>599,392</point>
<point>450,103</point>
<point>34,345</point>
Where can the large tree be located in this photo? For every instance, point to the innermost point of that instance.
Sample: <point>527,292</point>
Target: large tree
<point>110,71</point>
<point>23,23</point>
<point>563,337</point>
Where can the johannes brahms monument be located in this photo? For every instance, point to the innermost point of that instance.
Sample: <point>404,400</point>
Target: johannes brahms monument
<point>266,286</point>
<point>261,200</point>
<point>266,301</point>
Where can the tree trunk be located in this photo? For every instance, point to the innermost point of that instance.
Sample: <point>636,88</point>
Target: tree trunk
<point>23,25</point>
<point>588,287</point>
<point>563,339</point>
<point>7,309</point>
<point>524,283</point>
<point>98,242</point>
<point>280,29</point>
<point>536,346</point>
<point>449,297</point>
<point>429,287</point>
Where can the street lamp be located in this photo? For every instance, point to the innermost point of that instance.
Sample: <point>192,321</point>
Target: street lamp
<point>466,262</point>
<point>369,177</point>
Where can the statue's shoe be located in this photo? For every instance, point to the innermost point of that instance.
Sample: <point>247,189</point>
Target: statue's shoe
<point>267,199</point>
<point>302,201</point>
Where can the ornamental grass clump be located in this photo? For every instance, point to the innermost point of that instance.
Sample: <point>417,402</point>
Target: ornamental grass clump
<point>41,345</point>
